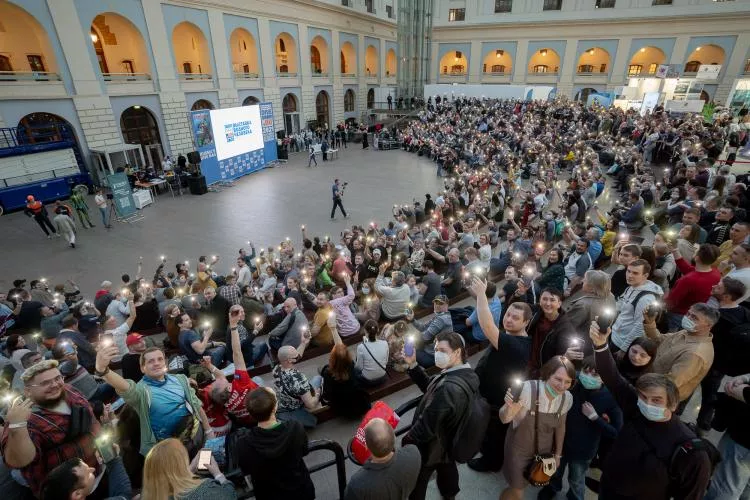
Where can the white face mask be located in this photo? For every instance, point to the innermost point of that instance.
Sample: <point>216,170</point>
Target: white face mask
<point>442,360</point>
<point>688,324</point>
<point>651,412</point>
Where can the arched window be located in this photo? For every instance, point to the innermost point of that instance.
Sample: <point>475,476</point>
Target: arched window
<point>5,63</point>
<point>315,59</point>
<point>349,100</point>
<point>634,69</point>
<point>370,98</point>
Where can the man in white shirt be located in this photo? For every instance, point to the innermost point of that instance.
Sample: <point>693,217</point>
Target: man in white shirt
<point>120,331</point>
<point>740,259</point>
<point>101,204</point>
<point>244,276</point>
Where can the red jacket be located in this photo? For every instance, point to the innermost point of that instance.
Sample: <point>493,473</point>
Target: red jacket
<point>691,288</point>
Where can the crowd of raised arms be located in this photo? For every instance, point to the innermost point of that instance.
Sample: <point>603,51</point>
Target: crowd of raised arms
<point>597,258</point>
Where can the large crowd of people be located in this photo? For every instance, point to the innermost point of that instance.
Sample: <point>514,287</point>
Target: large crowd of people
<point>604,258</point>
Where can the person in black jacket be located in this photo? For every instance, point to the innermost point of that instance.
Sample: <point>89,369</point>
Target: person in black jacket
<point>640,465</point>
<point>594,414</point>
<point>273,452</point>
<point>439,413</point>
<point>731,478</point>
<point>216,311</point>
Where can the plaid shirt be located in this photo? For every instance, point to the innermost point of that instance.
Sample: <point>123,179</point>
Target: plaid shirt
<point>47,430</point>
<point>231,293</point>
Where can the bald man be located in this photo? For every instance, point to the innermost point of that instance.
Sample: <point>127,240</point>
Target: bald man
<point>292,330</point>
<point>389,474</point>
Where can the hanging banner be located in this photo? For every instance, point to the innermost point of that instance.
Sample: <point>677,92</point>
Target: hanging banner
<point>270,151</point>
<point>122,195</point>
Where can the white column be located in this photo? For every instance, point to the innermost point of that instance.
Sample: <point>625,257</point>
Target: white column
<point>224,74</point>
<point>74,40</point>
<point>303,45</point>
<point>160,45</point>
<point>568,64</point>
<point>475,62</point>
<point>520,62</point>
<point>381,60</point>
<point>679,52</point>
<point>622,59</point>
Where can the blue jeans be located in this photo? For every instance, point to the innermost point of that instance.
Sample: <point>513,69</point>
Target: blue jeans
<point>217,355</point>
<point>732,476</point>
<point>576,476</point>
<point>103,212</point>
<point>301,415</point>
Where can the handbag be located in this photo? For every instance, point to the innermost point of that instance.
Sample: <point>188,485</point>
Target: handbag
<point>543,466</point>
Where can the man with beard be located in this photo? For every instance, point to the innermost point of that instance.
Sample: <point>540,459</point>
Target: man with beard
<point>52,424</point>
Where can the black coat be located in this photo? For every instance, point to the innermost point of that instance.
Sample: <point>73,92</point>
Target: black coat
<point>438,415</point>
<point>217,312</point>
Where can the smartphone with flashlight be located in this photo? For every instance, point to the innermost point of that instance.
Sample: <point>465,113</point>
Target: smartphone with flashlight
<point>605,320</point>
<point>515,389</point>
<point>106,339</point>
<point>204,458</point>
<point>106,448</point>
<point>409,346</point>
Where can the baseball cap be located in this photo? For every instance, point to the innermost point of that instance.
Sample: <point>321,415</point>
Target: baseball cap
<point>133,338</point>
<point>440,299</point>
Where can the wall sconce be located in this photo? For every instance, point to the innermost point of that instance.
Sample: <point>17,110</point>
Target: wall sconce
<point>94,37</point>
<point>543,52</point>
<point>499,53</point>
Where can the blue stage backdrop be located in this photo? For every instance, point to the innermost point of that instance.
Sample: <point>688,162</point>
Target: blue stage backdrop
<point>234,142</point>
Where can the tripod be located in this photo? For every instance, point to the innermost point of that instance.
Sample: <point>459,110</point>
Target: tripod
<point>111,208</point>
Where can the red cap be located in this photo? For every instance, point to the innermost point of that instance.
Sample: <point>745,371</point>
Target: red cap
<point>133,338</point>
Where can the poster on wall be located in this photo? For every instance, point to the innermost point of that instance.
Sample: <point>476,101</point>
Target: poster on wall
<point>232,141</point>
<point>708,72</point>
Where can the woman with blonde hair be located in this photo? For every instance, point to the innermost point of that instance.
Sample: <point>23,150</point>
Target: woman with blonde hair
<point>168,474</point>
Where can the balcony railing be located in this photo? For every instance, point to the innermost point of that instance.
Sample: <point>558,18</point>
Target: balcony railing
<point>498,73</point>
<point>462,73</point>
<point>322,74</point>
<point>540,73</point>
<point>348,75</point>
<point>286,75</point>
<point>591,73</point>
<point>241,75</point>
<point>126,77</point>
<point>38,76</point>
<point>195,76</point>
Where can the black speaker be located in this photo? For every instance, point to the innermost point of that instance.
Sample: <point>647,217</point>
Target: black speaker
<point>194,157</point>
<point>198,185</point>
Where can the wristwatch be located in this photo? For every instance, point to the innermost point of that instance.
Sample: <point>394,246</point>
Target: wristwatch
<point>101,374</point>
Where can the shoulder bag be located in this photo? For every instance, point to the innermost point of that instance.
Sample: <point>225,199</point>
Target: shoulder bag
<point>543,466</point>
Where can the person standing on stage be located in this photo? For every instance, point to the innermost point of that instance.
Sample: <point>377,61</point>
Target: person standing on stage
<point>36,209</point>
<point>337,193</point>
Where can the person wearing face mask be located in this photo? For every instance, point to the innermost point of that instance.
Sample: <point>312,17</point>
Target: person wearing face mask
<point>642,464</point>
<point>440,322</point>
<point>537,418</point>
<point>594,415</point>
<point>438,416</point>
<point>684,356</point>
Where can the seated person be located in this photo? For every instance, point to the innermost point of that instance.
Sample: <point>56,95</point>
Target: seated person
<point>131,362</point>
<point>255,353</point>
<point>440,322</point>
<point>195,346</point>
<point>296,394</point>
<point>273,452</point>
<point>222,398</point>
<point>372,357</point>
<point>341,388</point>
<point>290,331</point>
<point>78,377</point>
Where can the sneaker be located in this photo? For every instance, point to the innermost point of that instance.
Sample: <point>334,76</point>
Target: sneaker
<point>49,236</point>
<point>72,245</point>
<point>481,465</point>
<point>92,225</point>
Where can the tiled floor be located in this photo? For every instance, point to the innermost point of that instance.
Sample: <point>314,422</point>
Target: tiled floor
<point>264,207</point>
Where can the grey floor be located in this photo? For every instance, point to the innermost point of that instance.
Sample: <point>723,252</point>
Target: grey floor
<point>264,207</point>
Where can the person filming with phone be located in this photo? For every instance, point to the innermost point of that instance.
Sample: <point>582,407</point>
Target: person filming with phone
<point>50,424</point>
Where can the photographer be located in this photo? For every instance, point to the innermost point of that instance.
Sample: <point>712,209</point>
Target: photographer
<point>337,191</point>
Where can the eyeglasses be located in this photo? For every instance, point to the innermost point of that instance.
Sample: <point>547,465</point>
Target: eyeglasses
<point>48,383</point>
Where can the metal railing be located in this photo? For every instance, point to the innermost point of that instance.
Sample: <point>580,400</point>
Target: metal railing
<point>591,73</point>
<point>455,73</point>
<point>322,74</point>
<point>126,77</point>
<point>37,76</point>
<point>339,460</point>
<point>286,75</point>
<point>548,73</point>
<point>241,75</point>
<point>195,76</point>
<point>497,73</point>
<point>348,75</point>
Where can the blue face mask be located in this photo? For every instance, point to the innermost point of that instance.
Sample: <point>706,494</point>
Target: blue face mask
<point>688,324</point>
<point>589,381</point>
<point>552,392</point>
<point>365,290</point>
<point>651,412</point>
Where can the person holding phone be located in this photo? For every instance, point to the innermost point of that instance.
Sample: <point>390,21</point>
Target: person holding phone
<point>169,473</point>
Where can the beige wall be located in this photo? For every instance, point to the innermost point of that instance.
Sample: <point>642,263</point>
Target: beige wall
<point>190,45</point>
<point>126,43</point>
<point>23,35</point>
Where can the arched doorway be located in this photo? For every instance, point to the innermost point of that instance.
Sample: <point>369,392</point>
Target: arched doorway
<point>36,128</point>
<point>250,101</point>
<point>322,109</point>
<point>646,61</point>
<point>705,97</point>
<point>201,104</point>
<point>370,98</point>
<point>119,48</point>
<point>371,61</point>
<point>138,126</point>
<point>583,94</point>
<point>497,62</point>
<point>593,60</point>
<point>390,63</point>
<point>291,114</point>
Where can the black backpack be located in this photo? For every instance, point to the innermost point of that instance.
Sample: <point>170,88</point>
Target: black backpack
<point>472,426</point>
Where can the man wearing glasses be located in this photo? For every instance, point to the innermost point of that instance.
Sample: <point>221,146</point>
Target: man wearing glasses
<point>51,424</point>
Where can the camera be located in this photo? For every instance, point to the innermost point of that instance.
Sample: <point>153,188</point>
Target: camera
<point>110,196</point>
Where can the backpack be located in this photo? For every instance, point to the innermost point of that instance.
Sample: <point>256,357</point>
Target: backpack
<point>472,425</point>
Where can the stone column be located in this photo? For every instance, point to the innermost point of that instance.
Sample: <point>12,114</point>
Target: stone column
<point>520,62</point>
<point>567,67</point>
<point>476,61</point>
<point>160,45</point>
<point>621,61</point>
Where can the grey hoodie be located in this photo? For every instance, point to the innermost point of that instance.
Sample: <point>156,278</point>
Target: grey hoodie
<point>629,323</point>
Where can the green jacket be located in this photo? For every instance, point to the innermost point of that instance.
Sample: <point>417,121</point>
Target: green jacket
<point>139,397</point>
<point>78,201</point>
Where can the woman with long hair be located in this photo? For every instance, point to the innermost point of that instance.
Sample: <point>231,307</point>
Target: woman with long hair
<point>553,276</point>
<point>341,389</point>
<point>169,474</point>
<point>687,239</point>
<point>369,301</point>
<point>372,357</point>
<point>537,416</point>
<point>637,360</point>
